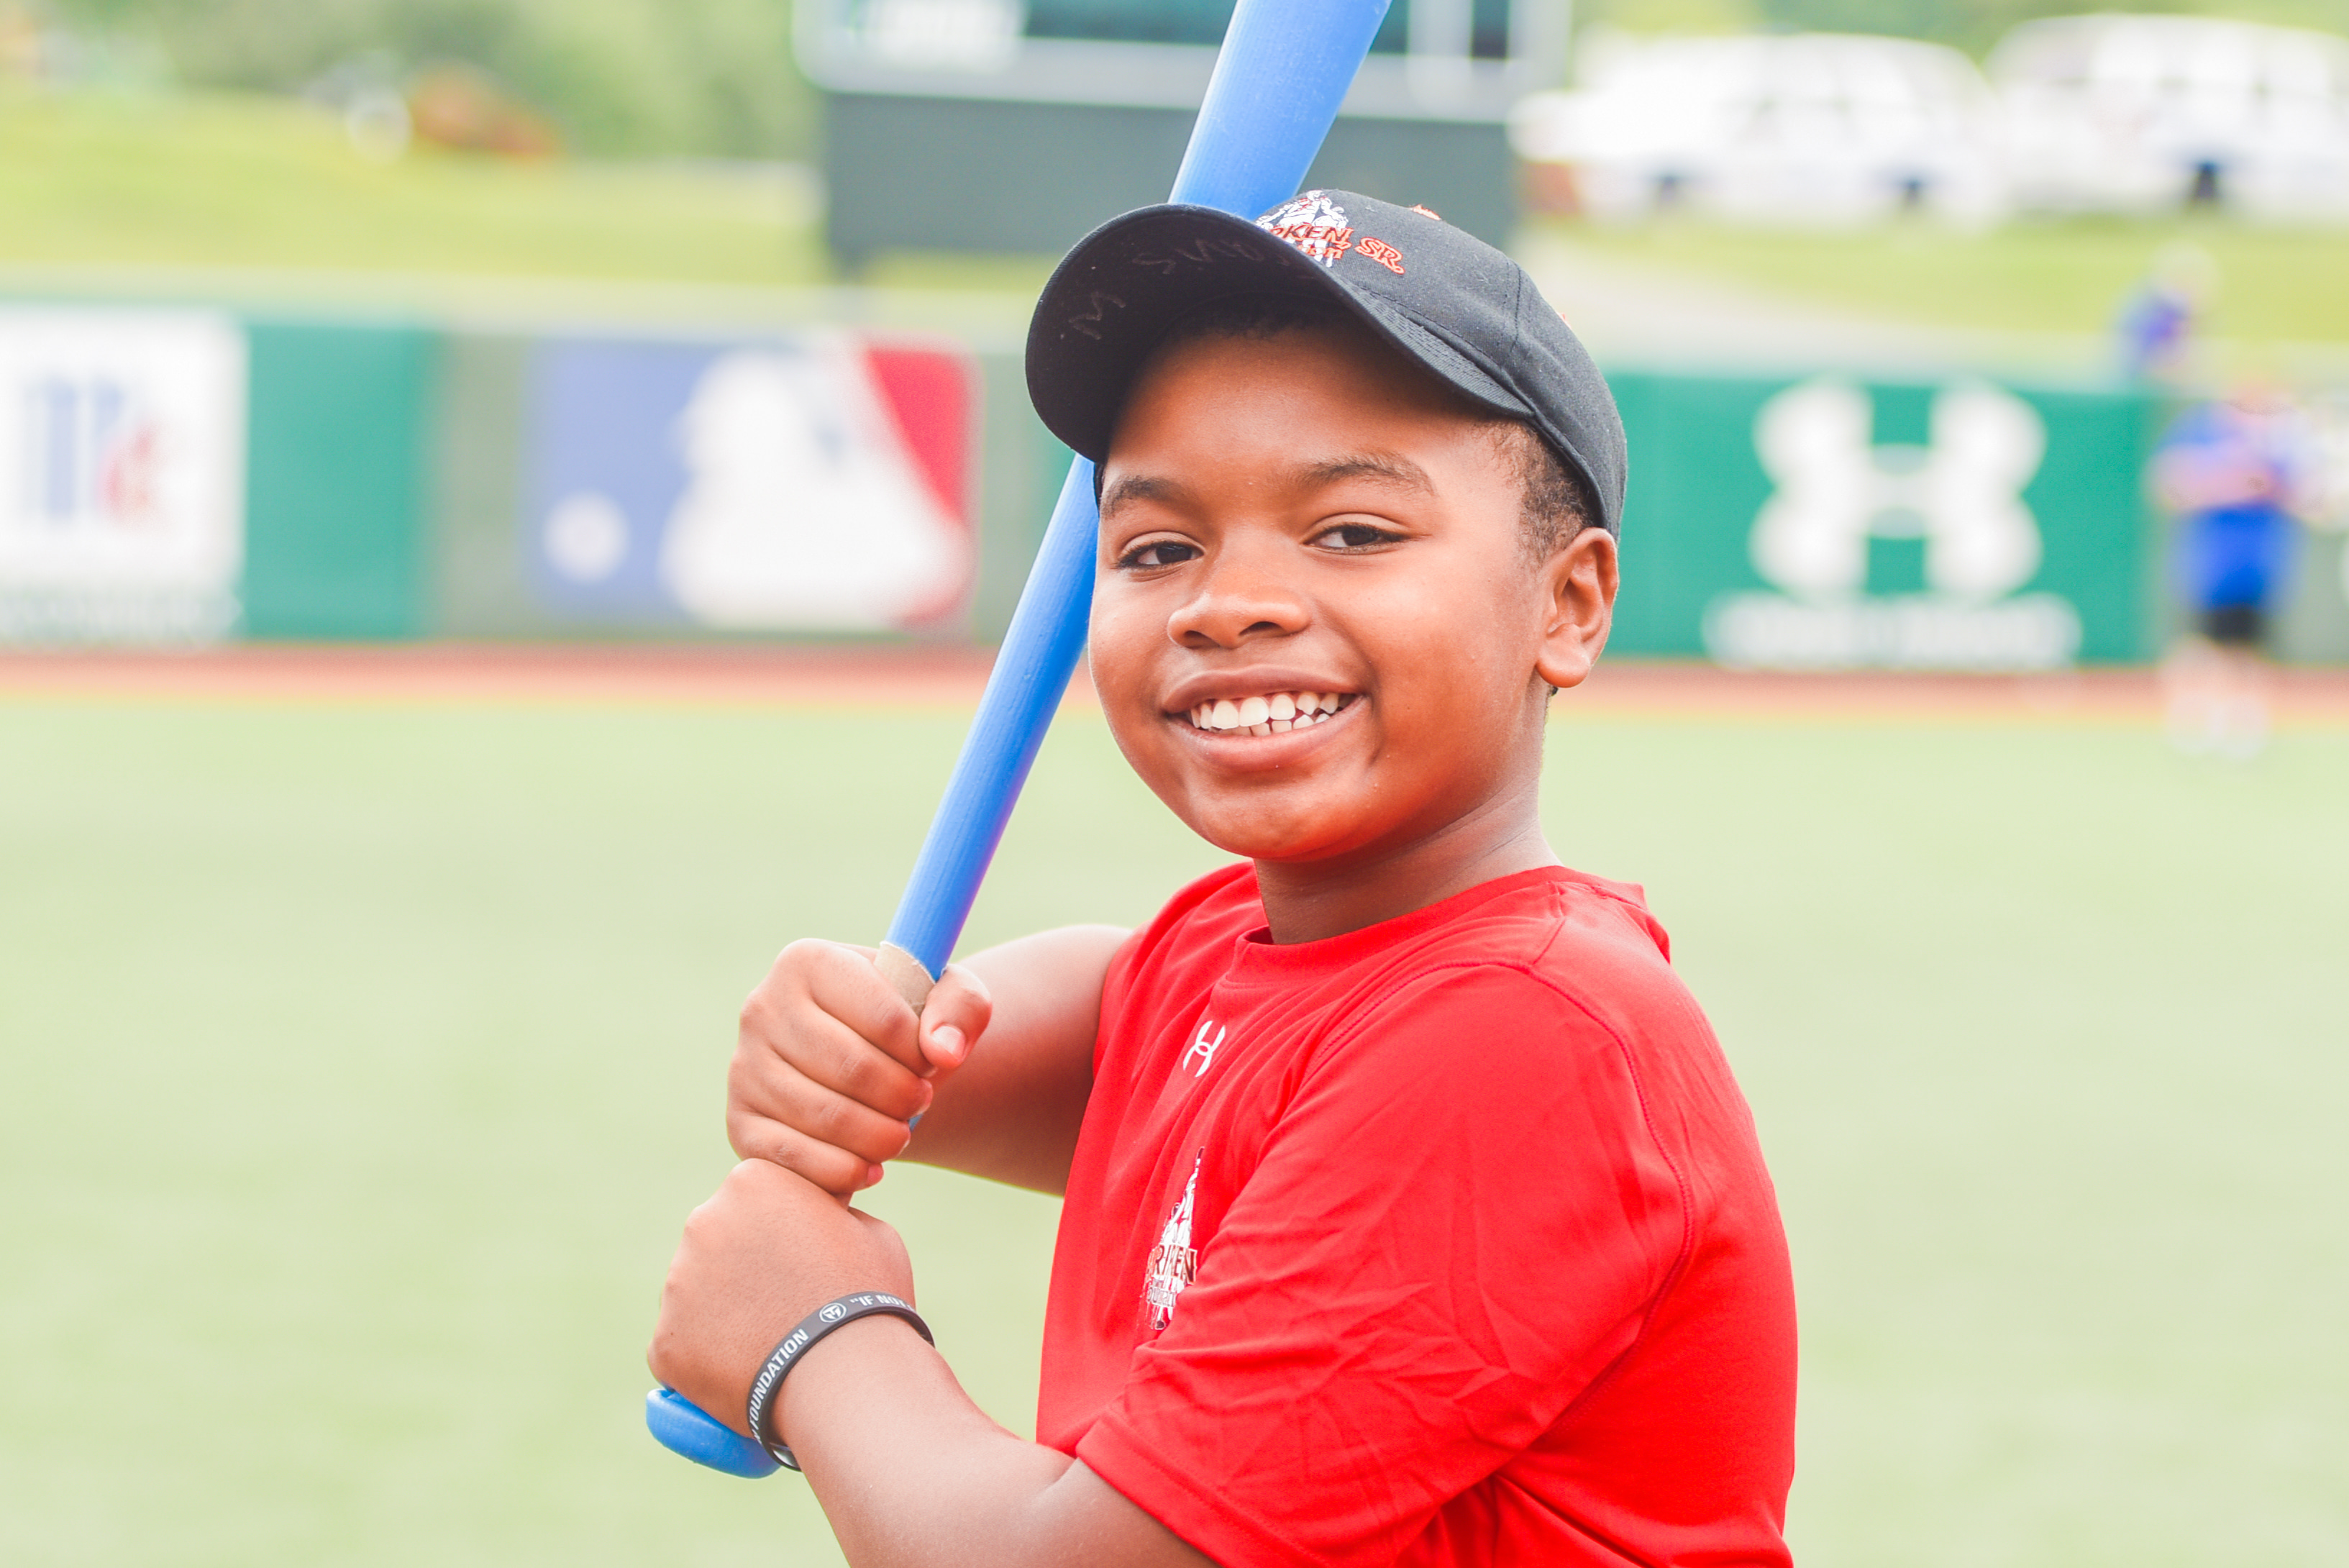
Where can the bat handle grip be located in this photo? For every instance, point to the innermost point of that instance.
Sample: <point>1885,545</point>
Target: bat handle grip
<point>906,975</point>
<point>685,1428</point>
<point>909,978</point>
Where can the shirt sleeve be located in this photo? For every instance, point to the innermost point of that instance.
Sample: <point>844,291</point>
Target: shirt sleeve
<point>1460,1222</point>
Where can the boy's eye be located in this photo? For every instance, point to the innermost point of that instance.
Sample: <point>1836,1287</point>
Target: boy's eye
<point>1157,553</point>
<point>1355,536</point>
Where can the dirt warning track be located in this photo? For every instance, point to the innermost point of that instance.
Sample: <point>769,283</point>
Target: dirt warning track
<point>895,675</point>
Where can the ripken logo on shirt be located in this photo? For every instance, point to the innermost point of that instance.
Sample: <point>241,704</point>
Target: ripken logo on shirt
<point>1174,1262</point>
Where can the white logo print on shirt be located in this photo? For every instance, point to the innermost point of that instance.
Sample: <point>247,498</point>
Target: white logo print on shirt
<point>1174,1262</point>
<point>1204,1048</point>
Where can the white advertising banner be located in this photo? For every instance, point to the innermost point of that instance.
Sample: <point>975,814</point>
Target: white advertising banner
<point>122,474</point>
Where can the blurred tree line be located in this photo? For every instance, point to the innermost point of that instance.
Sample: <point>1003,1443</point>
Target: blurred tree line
<point>1972,25</point>
<point>714,78</point>
<point>620,78</point>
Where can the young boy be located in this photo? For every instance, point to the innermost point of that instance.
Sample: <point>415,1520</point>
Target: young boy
<point>1411,1214</point>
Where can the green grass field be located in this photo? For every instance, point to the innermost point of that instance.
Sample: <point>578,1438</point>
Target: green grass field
<point>203,181</point>
<point>2277,284</point>
<point>363,1060</point>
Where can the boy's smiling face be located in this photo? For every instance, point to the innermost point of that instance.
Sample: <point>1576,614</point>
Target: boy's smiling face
<point>1309,523</point>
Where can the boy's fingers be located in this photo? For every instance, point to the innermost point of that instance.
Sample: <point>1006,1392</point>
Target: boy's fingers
<point>830,1054</point>
<point>843,984</point>
<point>835,1169</point>
<point>827,1116</point>
<point>954,1018</point>
<point>762,1088</point>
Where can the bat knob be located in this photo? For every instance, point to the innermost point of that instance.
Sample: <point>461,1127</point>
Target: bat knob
<point>684,1427</point>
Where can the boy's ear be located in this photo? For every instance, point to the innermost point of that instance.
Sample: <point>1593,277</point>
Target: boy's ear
<point>1577,583</point>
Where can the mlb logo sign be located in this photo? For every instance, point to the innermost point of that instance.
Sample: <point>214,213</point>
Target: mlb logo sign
<point>808,484</point>
<point>121,475</point>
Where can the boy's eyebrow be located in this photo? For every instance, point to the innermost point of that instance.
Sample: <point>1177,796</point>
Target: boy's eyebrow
<point>1137,487</point>
<point>1392,467</point>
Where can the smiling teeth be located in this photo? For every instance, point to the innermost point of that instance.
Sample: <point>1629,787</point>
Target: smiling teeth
<point>1272,714</point>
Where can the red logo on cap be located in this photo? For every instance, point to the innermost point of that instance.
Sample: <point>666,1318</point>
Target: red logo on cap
<point>1385,254</point>
<point>1324,243</point>
<point>1313,223</point>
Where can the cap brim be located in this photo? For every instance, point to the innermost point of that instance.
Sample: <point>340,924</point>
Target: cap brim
<point>1114,298</point>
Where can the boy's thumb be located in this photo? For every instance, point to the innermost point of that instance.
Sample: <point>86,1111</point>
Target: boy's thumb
<point>953,1018</point>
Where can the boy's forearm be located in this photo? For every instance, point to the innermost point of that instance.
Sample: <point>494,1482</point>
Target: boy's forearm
<point>1010,1114</point>
<point>912,1474</point>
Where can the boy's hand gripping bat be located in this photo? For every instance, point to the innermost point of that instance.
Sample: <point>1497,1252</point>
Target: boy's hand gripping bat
<point>1283,70</point>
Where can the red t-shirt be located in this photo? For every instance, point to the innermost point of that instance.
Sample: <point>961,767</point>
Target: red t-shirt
<point>1447,1241</point>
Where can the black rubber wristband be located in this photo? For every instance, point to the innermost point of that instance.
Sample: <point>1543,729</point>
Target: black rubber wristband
<point>814,1326</point>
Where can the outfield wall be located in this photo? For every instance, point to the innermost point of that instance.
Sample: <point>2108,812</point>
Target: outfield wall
<point>186,475</point>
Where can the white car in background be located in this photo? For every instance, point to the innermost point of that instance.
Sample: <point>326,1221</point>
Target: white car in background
<point>2144,114</point>
<point>1799,129</point>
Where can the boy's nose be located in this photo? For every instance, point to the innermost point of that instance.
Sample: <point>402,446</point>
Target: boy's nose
<point>1239,600</point>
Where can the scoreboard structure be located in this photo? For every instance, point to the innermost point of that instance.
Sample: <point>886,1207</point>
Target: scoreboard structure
<point>1018,125</point>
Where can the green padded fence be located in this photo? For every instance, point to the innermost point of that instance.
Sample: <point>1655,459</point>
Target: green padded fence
<point>339,452</point>
<point>1820,520</point>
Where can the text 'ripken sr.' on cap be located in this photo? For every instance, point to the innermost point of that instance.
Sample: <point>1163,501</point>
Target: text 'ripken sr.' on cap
<point>1445,298</point>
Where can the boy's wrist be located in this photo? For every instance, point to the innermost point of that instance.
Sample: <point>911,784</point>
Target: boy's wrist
<point>836,1313</point>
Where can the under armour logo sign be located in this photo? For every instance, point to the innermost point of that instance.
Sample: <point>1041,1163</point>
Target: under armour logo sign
<point>1962,493</point>
<point>1204,1049</point>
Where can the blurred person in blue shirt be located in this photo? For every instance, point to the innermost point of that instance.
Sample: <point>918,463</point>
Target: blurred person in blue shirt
<point>2238,474</point>
<point>2157,321</point>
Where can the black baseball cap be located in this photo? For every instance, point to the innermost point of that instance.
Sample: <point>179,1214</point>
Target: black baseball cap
<point>1445,297</point>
